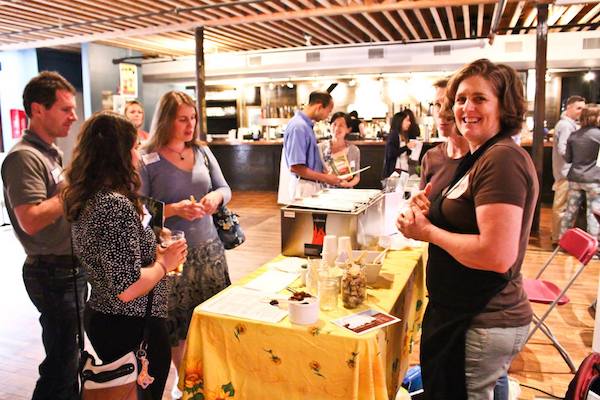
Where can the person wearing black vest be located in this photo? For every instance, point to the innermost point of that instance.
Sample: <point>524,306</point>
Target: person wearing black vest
<point>478,314</point>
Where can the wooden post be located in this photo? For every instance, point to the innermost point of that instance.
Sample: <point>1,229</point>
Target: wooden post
<point>200,83</point>
<point>539,109</point>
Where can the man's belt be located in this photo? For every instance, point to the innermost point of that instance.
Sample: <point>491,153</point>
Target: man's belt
<point>53,259</point>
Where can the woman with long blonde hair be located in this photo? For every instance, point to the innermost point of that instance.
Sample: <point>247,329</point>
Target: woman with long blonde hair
<point>182,172</point>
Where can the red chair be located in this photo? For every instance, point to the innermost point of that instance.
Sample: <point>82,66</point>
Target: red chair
<point>580,245</point>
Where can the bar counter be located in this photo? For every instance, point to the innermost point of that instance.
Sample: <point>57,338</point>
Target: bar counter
<point>254,164</point>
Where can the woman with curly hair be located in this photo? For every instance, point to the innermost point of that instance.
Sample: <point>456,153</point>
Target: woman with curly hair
<point>120,255</point>
<point>182,172</point>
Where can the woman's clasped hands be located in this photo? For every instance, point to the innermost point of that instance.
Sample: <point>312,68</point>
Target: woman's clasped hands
<point>412,222</point>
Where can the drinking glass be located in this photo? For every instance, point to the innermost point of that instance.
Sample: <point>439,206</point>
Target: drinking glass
<point>168,238</point>
<point>329,289</point>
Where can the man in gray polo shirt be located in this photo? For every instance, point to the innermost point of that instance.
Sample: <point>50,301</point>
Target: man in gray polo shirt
<point>560,168</point>
<point>32,178</point>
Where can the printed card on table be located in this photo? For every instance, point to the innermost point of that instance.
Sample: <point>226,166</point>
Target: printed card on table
<point>366,321</point>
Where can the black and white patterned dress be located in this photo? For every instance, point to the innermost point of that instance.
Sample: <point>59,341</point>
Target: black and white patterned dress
<point>113,246</point>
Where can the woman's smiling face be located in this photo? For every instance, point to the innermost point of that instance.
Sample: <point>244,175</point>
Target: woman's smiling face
<point>477,110</point>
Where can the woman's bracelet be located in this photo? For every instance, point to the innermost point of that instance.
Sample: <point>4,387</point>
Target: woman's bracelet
<point>163,267</point>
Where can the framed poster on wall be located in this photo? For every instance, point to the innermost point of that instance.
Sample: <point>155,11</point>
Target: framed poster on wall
<point>128,82</point>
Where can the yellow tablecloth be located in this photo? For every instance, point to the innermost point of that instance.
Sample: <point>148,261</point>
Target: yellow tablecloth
<point>234,358</point>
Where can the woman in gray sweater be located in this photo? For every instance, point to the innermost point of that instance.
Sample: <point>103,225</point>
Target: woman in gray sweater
<point>182,172</point>
<point>584,176</point>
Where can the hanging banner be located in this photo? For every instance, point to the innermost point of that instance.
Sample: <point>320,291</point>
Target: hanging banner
<point>18,123</point>
<point>128,82</point>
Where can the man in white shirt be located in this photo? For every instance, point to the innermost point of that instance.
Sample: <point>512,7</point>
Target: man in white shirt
<point>560,167</point>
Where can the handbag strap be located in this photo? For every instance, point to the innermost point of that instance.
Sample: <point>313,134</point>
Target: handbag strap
<point>147,317</point>
<point>206,163</point>
<point>74,263</point>
<point>80,341</point>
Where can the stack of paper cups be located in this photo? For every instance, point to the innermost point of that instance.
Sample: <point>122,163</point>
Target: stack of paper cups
<point>345,246</point>
<point>329,253</point>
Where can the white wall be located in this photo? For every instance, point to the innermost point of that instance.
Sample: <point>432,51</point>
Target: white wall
<point>18,67</point>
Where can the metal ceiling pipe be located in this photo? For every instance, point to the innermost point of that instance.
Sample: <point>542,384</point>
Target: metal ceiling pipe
<point>496,21</point>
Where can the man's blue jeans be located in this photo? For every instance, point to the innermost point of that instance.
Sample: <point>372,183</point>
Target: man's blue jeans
<point>501,390</point>
<point>49,284</point>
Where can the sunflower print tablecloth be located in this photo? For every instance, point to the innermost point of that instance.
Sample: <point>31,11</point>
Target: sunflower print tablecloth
<point>234,358</point>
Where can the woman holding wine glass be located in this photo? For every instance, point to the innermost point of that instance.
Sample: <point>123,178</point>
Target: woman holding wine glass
<point>120,256</point>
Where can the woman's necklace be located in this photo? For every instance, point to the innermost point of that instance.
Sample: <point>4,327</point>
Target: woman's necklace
<point>180,154</point>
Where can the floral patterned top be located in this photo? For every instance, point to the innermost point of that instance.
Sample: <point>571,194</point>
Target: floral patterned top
<point>112,245</point>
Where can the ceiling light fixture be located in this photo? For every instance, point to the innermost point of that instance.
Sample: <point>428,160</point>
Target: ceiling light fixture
<point>307,39</point>
<point>589,76</point>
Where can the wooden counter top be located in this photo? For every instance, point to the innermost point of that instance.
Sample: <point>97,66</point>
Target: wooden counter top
<point>279,142</point>
<point>261,142</point>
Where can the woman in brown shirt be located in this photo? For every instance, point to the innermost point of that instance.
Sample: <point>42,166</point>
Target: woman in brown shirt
<point>478,314</point>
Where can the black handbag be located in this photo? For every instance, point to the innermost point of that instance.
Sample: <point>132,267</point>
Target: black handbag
<point>228,227</point>
<point>227,222</point>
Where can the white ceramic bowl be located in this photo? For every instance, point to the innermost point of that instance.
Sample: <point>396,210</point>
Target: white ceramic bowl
<point>304,312</point>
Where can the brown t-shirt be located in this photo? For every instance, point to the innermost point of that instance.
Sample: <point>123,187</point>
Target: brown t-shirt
<point>438,168</point>
<point>503,174</point>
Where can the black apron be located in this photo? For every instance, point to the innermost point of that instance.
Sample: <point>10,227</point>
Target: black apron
<point>456,295</point>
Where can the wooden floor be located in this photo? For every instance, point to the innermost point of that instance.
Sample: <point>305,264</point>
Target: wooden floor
<point>537,365</point>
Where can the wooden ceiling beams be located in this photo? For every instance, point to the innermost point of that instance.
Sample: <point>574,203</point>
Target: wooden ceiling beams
<point>262,24</point>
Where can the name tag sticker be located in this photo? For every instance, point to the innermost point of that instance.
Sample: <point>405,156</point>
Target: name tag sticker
<point>150,158</point>
<point>598,159</point>
<point>458,189</point>
<point>57,175</point>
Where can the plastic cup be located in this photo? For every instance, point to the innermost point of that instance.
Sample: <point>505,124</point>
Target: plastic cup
<point>330,244</point>
<point>345,246</point>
